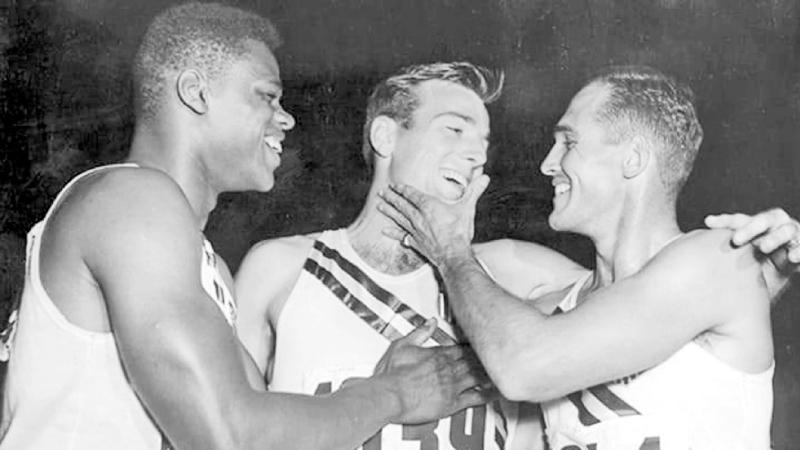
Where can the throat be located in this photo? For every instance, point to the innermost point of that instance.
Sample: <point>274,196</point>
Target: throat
<point>389,258</point>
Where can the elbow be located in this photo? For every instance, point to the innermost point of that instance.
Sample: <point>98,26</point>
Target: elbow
<point>521,378</point>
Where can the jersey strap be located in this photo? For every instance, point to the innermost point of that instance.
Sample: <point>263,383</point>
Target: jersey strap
<point>376,306</point>
<point>214,284</point>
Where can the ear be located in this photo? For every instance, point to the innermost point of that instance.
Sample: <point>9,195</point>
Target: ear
<point>382,135</point>
<point>192,89</point>
<point>637,157</point>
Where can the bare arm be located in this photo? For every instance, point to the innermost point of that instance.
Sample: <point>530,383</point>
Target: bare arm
<point>528,270</point>
<point>700,287</point>
<point>180,354</point>
<point>699,283</point>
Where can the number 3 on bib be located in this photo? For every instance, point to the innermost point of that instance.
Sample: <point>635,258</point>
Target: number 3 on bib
<point>466,431</point>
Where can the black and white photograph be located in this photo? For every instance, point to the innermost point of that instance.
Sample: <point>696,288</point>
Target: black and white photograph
<point>400,224</point>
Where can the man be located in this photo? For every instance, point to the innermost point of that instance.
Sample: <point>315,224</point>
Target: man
<point>125,326</point>
<point>667,342</point>
<point>321,308</point>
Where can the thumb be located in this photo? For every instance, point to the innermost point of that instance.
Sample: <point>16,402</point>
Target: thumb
<point>421,333</point>
<point>475,189</point>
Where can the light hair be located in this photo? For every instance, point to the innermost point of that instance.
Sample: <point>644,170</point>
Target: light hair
<point>395,97</point>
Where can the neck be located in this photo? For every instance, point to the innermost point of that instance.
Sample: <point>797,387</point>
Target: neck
<point>170,153</point>
<point>379,251</point>
<point>626,246</point>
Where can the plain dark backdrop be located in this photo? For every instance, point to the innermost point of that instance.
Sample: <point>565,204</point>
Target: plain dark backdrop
<point>65,106</point>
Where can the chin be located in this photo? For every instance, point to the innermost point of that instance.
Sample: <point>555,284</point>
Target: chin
<point>256,185</point>
<point>558,223</point>
<point>266,186</point>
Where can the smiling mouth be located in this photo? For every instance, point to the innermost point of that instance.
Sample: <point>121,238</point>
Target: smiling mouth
<point>274,143</point>
<point>454,177</point>
<point>561,188</point>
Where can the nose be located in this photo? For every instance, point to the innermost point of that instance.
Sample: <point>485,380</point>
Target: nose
<point>285,120</point>
<point>476,154</point>
<point>552,162</point>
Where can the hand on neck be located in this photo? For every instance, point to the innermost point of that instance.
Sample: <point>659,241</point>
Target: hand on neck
<point>378,250</point>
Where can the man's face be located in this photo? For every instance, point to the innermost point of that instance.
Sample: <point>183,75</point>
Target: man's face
<point>584,166</point>
<point>247,123</point>
<point>444,148</point>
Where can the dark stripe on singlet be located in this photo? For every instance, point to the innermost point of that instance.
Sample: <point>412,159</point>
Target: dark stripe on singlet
<point>373,289</point>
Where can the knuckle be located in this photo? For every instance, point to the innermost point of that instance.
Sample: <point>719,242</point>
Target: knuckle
<point>779,213</point>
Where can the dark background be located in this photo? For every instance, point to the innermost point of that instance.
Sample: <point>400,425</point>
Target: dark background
<point>65,106</point>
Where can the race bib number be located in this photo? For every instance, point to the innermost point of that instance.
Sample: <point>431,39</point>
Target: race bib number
<point>478,428</point>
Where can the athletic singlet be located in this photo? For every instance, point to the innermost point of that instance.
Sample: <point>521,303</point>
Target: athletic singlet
<point>338,321</point>
<point>65,387</point>
<point>692,400</point>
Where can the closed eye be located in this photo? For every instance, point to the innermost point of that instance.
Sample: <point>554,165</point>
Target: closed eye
<point>455,130</point>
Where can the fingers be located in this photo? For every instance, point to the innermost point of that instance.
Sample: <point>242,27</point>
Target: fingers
<point>466,379</point>
<point>453,352</point>
<point>778,237</point>
<point>794,255</point>
<point>389,208</point>
<point>475,190</point>
<point>758,224</point>
<point>410,194</point>
<point>420,334</point>
<point>474,397</point>
<point>732,221</point>
<point>394,233</point>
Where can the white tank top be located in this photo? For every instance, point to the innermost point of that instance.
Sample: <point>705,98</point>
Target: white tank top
<point>339,319</point>
<point>692,400</point>
<point>66,388</point>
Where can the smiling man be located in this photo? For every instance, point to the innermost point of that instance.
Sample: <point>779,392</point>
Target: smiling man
<point>321,308</point>
<point>667,343</point>
<point>125,328</point>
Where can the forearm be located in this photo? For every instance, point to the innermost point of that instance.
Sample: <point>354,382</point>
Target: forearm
<point>342,420</point>
<point>498,325</point>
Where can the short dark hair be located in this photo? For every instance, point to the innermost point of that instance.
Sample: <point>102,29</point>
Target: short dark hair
<point>646,102</point>
<point>395,97</point>
<point>206,36</point>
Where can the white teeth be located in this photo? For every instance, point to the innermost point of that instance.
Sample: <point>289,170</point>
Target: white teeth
<point>274,143</point>
<point>561,188</point>
<point>453,176</point>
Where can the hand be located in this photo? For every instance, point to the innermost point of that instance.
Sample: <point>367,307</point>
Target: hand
<point>431,382</point>
<point>773,232</point>
<point>435,229</point>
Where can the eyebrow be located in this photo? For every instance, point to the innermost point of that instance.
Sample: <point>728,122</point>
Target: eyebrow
<point>463,117</point>
<point>563,129</point>
<point>276,84</point>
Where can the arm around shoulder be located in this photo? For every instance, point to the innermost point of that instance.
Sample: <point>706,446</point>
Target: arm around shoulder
<point>695,285</point>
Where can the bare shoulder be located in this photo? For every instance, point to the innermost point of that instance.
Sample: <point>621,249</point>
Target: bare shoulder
<point>278,257</point>
<point>707,252</point>
<point>522,267</point>
<point>269,270</point>
<point>129,194</point>
<point>120,207</point>
<point>706,261</point>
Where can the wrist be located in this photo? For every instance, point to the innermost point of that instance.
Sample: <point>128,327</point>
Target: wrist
<point>387,404</point>
<point>455,256</point>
